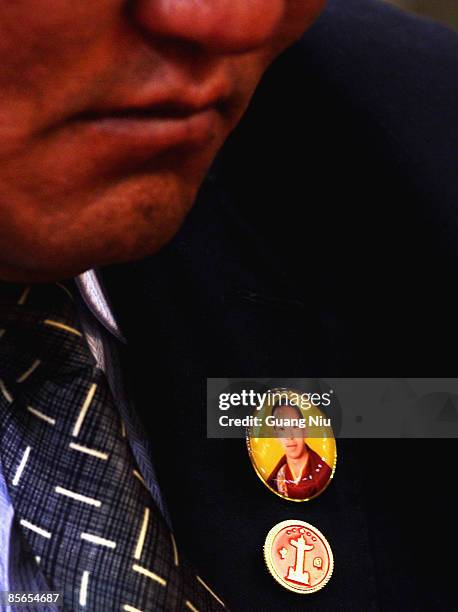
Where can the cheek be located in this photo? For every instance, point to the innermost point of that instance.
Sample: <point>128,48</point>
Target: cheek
<point>303,12</point>
<point>51,52</point>
<point>298,17</point>
<point>315,8</point>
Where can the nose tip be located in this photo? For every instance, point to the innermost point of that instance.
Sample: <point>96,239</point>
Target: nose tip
<point>231,26</point>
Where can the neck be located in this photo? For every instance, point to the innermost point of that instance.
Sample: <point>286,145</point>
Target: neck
<point>297,466</point>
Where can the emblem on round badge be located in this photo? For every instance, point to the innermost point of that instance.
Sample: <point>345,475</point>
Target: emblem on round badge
<point>298,556</point>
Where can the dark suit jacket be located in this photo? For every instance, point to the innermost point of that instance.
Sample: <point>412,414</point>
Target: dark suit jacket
<point>323,243</point>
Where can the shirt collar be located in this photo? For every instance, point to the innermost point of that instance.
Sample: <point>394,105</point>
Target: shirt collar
<point>92,291</point>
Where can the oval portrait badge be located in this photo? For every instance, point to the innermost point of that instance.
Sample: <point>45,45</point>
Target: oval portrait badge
<point>293,449</point>
<point>298,556</point>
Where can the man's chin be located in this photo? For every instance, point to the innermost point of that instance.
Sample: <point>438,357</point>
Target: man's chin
<point>45,268</point>
<point>81,252</point>
<point>130,221</point>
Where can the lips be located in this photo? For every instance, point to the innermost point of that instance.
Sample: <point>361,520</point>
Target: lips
<point>145,131</point>
<point>165,128</point>
<point>168,109</point>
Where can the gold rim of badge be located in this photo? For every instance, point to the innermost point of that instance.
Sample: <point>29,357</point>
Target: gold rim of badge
<point>298,579</point>
<point>320,462</point>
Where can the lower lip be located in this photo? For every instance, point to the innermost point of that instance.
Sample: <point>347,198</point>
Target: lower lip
<point>154,135</point>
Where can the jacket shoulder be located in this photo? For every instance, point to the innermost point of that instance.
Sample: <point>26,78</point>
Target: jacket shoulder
<point>382,58</point>
<point>369,91</point>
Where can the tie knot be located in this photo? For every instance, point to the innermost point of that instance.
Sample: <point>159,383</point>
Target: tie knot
<point>39,332</point>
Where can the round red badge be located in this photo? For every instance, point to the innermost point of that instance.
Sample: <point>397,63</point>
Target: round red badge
<point>298,556</point>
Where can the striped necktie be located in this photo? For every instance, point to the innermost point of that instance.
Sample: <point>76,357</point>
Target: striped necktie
<point>82,505</point>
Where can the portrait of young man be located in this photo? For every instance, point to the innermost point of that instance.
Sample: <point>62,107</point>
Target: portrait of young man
<point>202,188</point>
<point>300,473</point>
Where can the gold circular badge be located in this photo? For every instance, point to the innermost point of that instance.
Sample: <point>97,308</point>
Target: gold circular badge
<point>292,447</point>
<point>298,556</point>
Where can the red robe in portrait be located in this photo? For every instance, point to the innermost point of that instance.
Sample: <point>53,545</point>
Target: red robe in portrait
<point>313,479</point>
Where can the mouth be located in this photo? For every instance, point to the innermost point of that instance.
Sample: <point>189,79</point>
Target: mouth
<point>167,110</point>
<point>149,131</point>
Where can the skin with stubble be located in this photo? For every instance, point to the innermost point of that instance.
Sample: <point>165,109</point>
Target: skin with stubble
<point>111,112</point>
